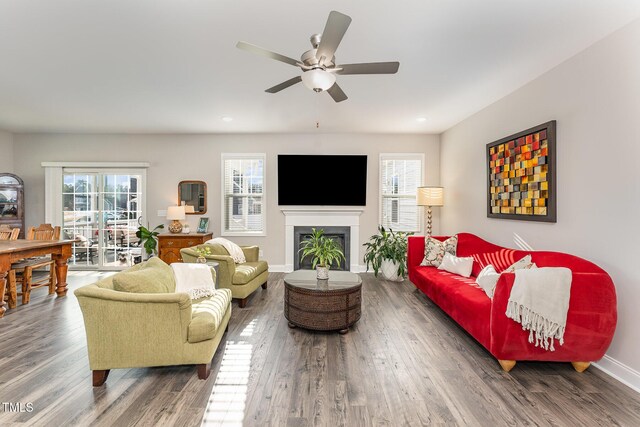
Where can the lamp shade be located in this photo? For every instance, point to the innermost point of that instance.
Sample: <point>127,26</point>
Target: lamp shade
<point>318,79</point>
<point>189,209</point>
<point>430,196</point>
<point>176,213</point>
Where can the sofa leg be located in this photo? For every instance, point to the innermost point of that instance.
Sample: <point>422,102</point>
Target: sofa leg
<point>242,303</point>
<point>204,369</point>
<point>580,366</point>
<point>507,365</point>
<point>264,285</point>
<point>99,377</point>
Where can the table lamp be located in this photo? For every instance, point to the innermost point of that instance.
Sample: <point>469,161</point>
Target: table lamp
<point>176,214</point>
<point>430,196</point>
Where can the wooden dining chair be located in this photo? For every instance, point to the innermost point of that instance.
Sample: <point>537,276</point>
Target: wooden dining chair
<point>30,273</point>
<point>7,233</point>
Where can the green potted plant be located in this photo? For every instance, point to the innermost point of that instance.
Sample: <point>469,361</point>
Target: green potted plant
<point>203,252</point>
<point>387,252</point>
<point>323,250</point>
<point>149,238</point>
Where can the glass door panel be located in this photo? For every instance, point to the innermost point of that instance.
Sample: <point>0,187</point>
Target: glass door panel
<point>120,213</point>
<point>101,211</point>
<point>80,213</point>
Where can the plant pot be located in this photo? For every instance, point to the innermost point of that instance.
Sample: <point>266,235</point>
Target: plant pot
<point>201,260</point>
<point>389,270</point>
<point>322,273</point>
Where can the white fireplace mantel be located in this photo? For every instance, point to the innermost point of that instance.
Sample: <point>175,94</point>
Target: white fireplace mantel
<point>322,216</point>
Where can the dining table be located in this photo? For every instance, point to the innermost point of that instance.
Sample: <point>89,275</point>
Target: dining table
<point>15,250</point>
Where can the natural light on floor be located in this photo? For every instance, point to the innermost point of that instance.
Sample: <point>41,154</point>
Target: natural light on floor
<point>227,401</point>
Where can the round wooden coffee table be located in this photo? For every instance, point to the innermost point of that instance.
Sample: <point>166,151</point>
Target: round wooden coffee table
<point>322,305</point>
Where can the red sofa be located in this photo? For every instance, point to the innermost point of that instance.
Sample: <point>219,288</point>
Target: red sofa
<point>591,320</point>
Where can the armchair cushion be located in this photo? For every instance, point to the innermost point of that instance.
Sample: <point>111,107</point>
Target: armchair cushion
<point>153,276</point>
<point>207,315</point>
<point>248,271</point>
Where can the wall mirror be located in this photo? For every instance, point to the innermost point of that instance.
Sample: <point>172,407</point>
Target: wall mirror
<point>193,193</point>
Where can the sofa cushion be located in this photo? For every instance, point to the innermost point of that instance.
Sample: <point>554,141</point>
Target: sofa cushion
<point>434,250</point>
<point>487,279</point>
<point>248,271</point>
<point>453,264</point>
<point>207,314</point>
<point>151,277</point>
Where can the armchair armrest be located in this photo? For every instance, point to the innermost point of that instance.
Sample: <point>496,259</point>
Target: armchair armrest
<point>119,326</point>
<point>591,319</point>
<point>251,253</point>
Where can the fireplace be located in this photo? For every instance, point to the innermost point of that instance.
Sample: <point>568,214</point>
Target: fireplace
<point>325,217</point>
<point>342,235</point>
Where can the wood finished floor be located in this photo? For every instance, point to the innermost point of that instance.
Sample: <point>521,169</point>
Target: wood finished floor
<point>404,363</point>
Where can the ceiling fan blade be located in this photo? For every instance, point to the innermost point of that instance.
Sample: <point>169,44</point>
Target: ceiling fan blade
<point>369,68</point>
<point>334,30</point>
<point>336,93</point>
<point>284,85</point>
<point>267,53</point>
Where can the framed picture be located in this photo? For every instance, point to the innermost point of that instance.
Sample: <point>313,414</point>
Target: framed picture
<point>203,225</point>
<point>521,175</point>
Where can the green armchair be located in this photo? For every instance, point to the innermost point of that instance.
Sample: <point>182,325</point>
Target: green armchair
<point>242,279</point>
<point>127,327</point>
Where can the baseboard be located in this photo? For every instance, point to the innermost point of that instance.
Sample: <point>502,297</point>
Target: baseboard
<point>282,268</point>
<point>621,372</point>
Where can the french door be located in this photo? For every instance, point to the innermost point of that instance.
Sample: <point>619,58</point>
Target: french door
<point>101,211</point>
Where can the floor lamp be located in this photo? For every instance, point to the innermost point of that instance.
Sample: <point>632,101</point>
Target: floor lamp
<point>429,197</point>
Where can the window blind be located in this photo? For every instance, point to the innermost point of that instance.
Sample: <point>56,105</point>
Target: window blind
<point>400,176</point>
<point>243,194</point>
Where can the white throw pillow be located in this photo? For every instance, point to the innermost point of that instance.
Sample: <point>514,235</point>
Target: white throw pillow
<point>487,280</point>
<point>524,262</point>
<point>434,250</point>
<point>453,264</point>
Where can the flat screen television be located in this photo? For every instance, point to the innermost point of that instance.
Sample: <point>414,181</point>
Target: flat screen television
<point>322,180</point>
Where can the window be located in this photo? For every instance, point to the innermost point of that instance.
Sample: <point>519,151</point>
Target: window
<point>243,194</point>
<point>400,176</point>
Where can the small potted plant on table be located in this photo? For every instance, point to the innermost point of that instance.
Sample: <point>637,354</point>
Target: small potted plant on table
<point>387,252</point>
<point>323,250</point>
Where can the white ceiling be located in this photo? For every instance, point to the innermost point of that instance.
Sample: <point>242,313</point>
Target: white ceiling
<point>172,66</point>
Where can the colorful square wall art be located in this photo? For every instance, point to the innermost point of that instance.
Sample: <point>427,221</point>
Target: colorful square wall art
<point>521,175</point>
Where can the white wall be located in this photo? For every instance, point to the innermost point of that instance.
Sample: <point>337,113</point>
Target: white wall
<point>6,152</point>
<point>175,158</point>
<point>595,97</point>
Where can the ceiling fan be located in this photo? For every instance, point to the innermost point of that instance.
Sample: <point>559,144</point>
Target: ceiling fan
<point>318,65</point>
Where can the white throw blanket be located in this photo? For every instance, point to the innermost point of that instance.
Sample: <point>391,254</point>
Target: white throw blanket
<point>234,250</point>
<point>194,279</point>
<point>539,300</point>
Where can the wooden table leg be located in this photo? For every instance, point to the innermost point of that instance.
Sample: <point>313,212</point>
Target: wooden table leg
<point>3,287</point>
<point>61,270</point>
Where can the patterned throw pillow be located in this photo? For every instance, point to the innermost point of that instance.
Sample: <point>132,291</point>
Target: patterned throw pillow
<point>522,263</point>
<point>434,250</point>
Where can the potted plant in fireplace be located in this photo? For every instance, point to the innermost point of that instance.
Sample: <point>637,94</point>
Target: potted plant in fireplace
<point>323,250</point>
<point>387,253</point>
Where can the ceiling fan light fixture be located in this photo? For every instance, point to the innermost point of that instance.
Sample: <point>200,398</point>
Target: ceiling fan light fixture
<point>318,79</point>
